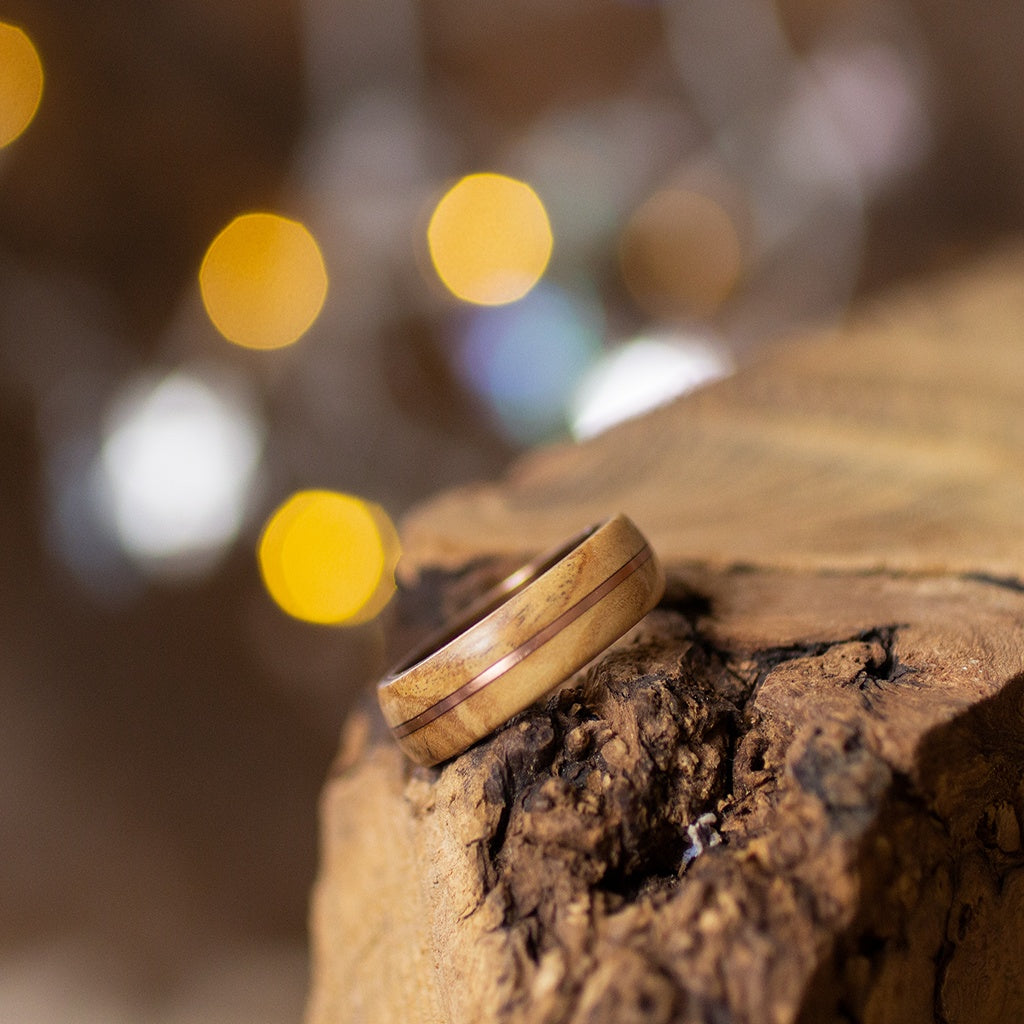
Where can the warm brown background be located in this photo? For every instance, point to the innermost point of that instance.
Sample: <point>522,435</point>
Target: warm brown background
<point>161,746</point>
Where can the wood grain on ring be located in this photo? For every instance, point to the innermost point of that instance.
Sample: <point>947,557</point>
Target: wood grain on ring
<point>535,631</point>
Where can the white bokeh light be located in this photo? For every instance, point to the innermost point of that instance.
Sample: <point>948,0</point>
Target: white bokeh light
<point>641,375</point>
<point>178,463</point>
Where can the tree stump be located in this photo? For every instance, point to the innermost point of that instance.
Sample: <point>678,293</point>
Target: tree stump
<point>794,791</point>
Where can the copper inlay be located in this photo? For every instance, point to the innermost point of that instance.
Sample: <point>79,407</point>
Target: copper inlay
<point>525,649</point>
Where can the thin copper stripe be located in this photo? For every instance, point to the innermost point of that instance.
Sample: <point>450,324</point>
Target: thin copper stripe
<point>525,649</point>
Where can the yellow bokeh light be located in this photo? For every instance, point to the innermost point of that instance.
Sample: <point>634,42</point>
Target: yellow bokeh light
<point>21,82</point>
<point>490,239</point>
<point>681,255</point>
<point>329,558</point>
<point>263,281</point>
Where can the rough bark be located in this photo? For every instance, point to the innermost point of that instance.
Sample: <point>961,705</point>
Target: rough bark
<point>793,793</point>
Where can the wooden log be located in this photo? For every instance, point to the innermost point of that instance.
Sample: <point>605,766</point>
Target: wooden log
<point>792,793</point>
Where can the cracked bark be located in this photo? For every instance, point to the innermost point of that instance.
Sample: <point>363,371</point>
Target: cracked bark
<point>863,770</point>
<point>791,794</point>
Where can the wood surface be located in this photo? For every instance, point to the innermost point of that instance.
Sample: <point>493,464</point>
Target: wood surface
<point>893,443</point>
<point>794,792</point>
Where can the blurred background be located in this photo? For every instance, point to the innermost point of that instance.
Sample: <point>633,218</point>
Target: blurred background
<point>270,273</point>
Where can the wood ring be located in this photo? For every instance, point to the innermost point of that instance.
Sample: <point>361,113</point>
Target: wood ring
<point>521,640</point>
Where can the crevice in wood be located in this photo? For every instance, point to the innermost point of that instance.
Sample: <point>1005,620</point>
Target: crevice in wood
<point>587,780</point>
<point>882,666</point>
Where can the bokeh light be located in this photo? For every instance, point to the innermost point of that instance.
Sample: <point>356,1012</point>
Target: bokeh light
<point>21,82</point>
<point>641,375</point>
<point>681,255</point>
<point>329,558</point>
<point>525,360</point>
<point>263,281</point>
<point>590,183</point>
<point>490,239</point>
<point>177,463</point>
<point>875,93</point>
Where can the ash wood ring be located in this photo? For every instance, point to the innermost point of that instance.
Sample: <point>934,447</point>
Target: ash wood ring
<point>521,640</point>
